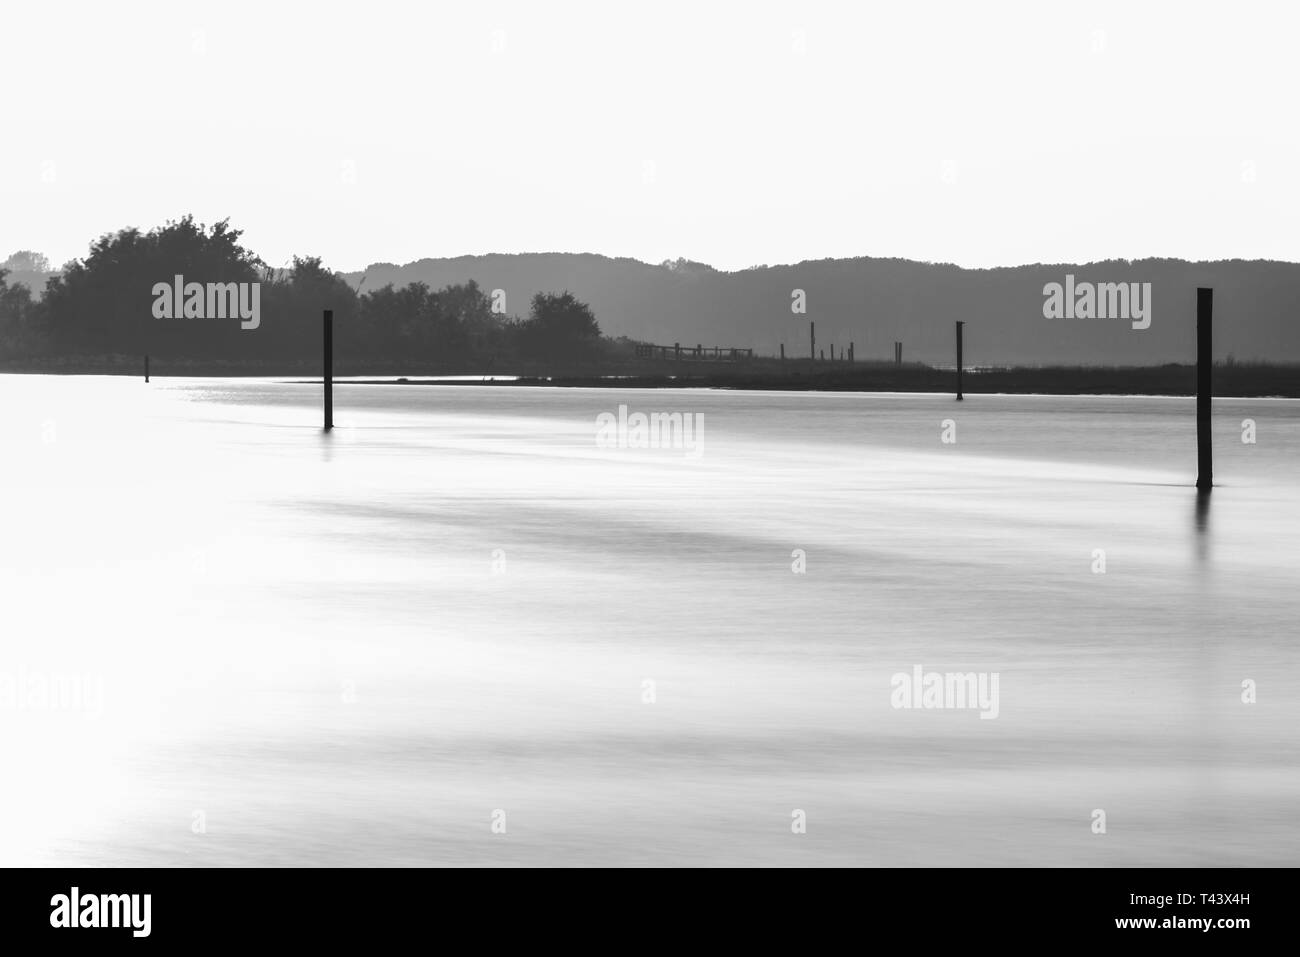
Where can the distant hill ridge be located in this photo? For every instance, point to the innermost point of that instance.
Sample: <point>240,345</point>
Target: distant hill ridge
<point>873,302</point>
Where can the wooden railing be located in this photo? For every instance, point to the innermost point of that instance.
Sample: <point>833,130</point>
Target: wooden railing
<point>698,353</point>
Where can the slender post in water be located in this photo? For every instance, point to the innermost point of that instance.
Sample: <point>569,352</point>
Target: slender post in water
<point>812,339</point>
<point>329,369</point>
<point>783,353</point>
<point>146,367</point>
<point>1204,367</point>
<point>959,325</point>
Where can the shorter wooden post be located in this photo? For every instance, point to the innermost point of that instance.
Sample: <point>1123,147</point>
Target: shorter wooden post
<point>329,369</point>
<point>959,326</point>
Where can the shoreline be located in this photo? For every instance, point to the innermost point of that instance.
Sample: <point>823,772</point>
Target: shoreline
<point>1230,380</point>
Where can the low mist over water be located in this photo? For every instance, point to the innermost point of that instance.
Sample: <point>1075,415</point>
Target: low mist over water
<point>459,629</point>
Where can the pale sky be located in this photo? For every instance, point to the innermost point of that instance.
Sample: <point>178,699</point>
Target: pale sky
<point>729,133</point>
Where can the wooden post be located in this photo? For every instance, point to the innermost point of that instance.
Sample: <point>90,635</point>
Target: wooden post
<point>677,351</point>
<point>329,369</point>
<point>959,325</point>
<point>1204,367</point>
<point>146,367</point>
<point>783,352</point>
<point>850,352</point>
<point>812,339</point>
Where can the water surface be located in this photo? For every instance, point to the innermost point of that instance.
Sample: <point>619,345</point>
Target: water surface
<point>354,648</point>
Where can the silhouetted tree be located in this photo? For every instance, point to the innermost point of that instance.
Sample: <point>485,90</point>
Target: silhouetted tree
<point>20,334</point>
<point>560,326</point>
<point>25,260</point>
<point>104,303</point>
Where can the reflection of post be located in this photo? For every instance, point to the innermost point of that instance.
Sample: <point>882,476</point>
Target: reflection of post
<point>1204,367</point>
<point>329,369</point>
<point>959,325</point>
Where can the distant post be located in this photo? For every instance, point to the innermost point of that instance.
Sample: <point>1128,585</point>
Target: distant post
<point>850,352</point>
<point>146,367</point>
<point>329,369</point>
<point>959,325</point>
<point>1204,367</point>
<point>812,339</point>
<point>677,351</point>
<point>783,353</point>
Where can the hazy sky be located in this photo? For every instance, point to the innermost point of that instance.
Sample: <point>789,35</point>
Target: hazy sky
<point>734,134</point>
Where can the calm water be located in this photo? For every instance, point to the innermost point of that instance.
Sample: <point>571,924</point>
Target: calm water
<point>354,649</point>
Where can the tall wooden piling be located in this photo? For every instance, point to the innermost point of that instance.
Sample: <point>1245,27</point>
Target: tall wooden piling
<point>850,352</point>
<point>1204,368</point>
<point>783,352</point>
<point>959,325</point>
<point>329,369</point>
<point>812,339</point>
<point>146,367</point>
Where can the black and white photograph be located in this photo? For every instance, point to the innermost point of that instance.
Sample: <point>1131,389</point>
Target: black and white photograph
<point>852,436</point>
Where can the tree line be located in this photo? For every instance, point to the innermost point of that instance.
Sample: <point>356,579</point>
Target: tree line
<point>104,305</point>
